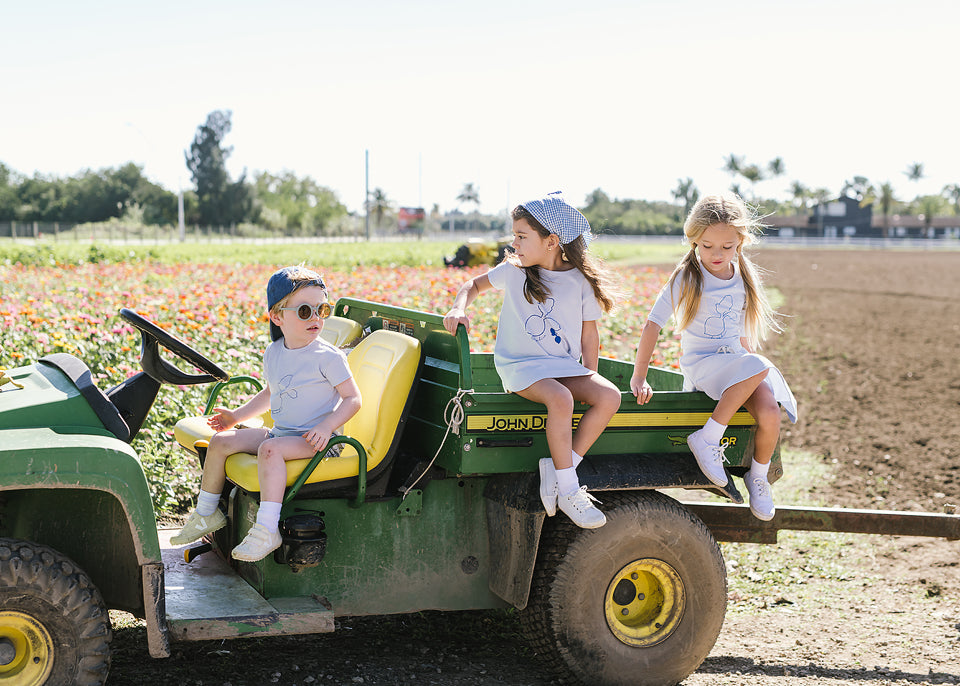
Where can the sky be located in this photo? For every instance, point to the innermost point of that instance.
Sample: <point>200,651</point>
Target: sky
<point>519,98</point>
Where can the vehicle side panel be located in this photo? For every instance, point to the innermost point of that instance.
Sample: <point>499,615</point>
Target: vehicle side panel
<point>428,552</point>
<point>85,494</point>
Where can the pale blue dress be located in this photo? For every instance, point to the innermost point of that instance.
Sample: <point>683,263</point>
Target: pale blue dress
<point>713,358</point>
<point>541,340</point>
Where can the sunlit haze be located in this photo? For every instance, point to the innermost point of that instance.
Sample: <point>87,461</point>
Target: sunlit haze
<point>518,98</point>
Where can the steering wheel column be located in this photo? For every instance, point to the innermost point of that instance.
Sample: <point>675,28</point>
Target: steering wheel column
<point>135,396</point>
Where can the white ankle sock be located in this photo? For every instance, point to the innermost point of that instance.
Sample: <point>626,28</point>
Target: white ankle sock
<point>713,431</point>
<point>207,503</point>
<point>567,481</point>
<point>577,458</point>
<point>268,516</point>
<point>759,469</point>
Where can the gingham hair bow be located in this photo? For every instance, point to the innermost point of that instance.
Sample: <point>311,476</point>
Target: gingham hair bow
<point>560,218</point>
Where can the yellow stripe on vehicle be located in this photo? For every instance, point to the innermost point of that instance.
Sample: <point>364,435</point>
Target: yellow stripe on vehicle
<point>621,420</point>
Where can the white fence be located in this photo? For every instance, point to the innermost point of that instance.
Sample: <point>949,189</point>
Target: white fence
<point>115,233</point>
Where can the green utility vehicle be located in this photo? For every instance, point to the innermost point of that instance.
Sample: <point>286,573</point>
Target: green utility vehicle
<point>432,505</point>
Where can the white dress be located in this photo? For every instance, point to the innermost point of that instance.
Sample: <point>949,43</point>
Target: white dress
<point>713,357</point>
<point>541,340</point>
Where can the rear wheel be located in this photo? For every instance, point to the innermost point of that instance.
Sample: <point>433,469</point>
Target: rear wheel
<point>639,601</point>
<point>54,627</point>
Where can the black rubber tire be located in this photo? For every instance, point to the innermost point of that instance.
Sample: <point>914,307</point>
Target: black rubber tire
<point>47,589</point>
<point>565,620</point>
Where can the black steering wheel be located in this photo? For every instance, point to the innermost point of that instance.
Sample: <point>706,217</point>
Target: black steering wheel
<point>152,336</point>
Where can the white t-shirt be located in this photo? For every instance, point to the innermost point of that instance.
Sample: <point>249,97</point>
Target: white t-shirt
<point>303,384</point>
<point>713,356</point>
<point>719,320</point>
<point>541,340</point>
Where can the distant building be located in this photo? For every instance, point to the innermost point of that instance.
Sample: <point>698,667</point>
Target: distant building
<point>842,217</point>
<point>833,219</point>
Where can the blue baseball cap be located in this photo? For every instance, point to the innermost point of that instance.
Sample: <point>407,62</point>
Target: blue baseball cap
<point>284,282</point>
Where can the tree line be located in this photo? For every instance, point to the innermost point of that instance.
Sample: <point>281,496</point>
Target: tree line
<point>291,205</point>
<point>283,202</point>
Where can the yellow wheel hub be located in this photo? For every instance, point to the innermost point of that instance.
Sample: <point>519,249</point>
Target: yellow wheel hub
<point>26,650</point>
<point>644,602</point>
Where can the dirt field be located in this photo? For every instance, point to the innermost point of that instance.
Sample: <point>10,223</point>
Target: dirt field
<point>871,352</point>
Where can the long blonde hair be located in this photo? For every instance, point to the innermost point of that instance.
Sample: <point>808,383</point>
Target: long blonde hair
<point>730,209</point>
<point>575,252</point>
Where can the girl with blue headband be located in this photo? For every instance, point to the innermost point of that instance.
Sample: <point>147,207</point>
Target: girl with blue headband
<point>548,341</point>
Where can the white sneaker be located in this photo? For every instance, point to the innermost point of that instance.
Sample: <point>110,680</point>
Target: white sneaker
<point>709,458</point>
<point>197,527</point>
<point>580,510</point>
<point>761,497</point>
<point>257,544</point>
<point>549,491</point>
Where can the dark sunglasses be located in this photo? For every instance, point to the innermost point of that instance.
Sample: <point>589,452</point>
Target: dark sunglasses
<point>308,312</point>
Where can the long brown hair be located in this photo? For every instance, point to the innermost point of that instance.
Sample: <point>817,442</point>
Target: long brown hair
<point>575,252</point>
<point>729,209</point>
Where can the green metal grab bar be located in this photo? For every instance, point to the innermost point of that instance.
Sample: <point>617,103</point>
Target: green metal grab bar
<point>215,391</point>
<point>315,460</point>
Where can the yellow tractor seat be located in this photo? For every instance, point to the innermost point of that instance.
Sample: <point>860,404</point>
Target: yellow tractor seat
<point>338,331</point>
<point>385,366</point>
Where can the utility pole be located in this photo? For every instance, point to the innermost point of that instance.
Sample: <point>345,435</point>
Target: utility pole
<point>366,193</point>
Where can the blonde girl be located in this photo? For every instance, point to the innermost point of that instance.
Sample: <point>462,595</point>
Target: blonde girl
<point>716,296</point>
<point>548,342</point>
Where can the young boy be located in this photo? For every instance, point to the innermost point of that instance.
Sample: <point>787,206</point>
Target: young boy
<point>310,393</point>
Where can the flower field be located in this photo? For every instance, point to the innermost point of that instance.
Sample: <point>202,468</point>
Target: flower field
<point>220,310</point>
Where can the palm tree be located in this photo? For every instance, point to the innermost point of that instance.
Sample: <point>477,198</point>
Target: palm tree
<point>886,200</point>
<point>861,188</point>
<point>732,165</point>
<point>469,194</point>
<point>930,206</point>
<point>800,194</point>
<point>753,174</point>
<point>686,192</point>
<point>952,193</point>
<point>915,171</point>
<point>821,196</point>
<point>379,205</point>
<point>776,167</point>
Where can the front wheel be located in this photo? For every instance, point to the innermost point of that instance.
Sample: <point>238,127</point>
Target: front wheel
<point>54,627</point>
<point>639,601</point>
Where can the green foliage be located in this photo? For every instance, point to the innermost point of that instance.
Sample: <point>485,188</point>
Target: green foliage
<point>8,191</point>
<point>379,205</point>
<point>631,217</point>
<point>295,206</point>
<point>50,254</point>
<point>329,256</point>
<point>221,202</point>
<point>91,196</point>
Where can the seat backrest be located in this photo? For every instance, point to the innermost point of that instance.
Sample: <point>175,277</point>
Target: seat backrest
<point>339,331</point>
<point>384,365</point>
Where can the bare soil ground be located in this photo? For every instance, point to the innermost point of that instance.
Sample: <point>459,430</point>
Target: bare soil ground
<point>871,350</point>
